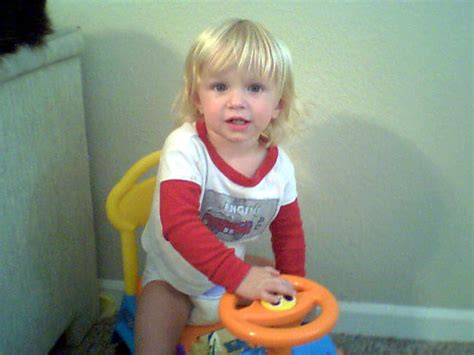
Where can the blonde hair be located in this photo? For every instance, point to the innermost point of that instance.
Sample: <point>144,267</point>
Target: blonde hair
<point>249,46</point>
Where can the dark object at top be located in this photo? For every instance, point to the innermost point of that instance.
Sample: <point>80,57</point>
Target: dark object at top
<point>22,23</point>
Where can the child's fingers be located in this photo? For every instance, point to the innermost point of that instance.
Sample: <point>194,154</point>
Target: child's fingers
<point>272,271</point>
<point>285,288</point>
<point>281,286</point>
<point>270,297</point>
<point>275,289</point>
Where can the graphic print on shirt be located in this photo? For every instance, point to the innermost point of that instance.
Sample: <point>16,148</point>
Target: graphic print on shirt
<point>234,219</point>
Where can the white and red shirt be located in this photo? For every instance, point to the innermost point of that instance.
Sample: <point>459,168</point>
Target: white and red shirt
<point>204,213</point>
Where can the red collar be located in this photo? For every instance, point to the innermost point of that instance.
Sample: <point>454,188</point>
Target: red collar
<point>267,164</point>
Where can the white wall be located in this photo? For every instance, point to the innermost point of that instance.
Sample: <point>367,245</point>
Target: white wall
<point>385,165</point>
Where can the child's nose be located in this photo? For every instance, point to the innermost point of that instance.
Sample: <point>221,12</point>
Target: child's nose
<point>236,98</point>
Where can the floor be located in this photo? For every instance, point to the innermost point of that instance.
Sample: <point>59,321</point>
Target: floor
<point>98,341</point>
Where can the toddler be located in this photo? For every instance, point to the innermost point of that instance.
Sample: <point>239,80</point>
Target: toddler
<point>222,181</point>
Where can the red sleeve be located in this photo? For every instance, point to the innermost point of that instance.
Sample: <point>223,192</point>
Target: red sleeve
<point>183,228</point>
<point>288,240</point>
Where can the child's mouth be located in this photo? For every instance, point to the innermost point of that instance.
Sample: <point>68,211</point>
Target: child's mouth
<point>237,121</point>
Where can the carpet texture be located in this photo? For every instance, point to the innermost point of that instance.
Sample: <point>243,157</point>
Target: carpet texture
<point>98,341</point>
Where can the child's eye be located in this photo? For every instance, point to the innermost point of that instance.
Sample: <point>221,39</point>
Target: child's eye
<point>255,88</point>
<point>219,87</point>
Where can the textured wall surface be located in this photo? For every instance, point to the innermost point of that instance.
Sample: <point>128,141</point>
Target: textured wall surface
<point>385,164</point>
<point>47,248</point>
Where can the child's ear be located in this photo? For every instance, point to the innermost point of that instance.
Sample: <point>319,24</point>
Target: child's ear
<point>277,110</point>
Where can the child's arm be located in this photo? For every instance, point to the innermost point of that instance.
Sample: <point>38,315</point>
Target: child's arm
<point>288,240</point>
<point>289,248</point>
<point>263,283</point>
<point>182,227</point>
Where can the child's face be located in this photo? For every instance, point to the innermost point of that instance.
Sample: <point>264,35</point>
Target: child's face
<point>236,106</point>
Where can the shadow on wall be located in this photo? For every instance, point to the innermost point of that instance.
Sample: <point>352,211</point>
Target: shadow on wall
<point>130,81</point>
<point>376,204</point>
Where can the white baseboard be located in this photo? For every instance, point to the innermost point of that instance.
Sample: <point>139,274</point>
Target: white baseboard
<point>405,322</point>
<point>113,288</point>
<point>115,285</point>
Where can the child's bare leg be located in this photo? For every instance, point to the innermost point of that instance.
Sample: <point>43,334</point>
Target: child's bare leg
<point>162,313</point>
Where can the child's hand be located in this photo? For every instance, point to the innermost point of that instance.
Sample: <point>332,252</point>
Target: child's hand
<point>265,284</point>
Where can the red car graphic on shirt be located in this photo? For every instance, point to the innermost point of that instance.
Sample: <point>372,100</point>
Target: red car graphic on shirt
<point>220,225</point>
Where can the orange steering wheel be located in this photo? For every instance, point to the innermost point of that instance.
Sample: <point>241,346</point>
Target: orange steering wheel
<point>280,329</point>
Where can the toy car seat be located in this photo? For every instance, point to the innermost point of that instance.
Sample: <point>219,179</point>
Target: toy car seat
<point>128,206</point>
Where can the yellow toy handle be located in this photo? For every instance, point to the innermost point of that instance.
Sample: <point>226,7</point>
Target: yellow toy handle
<point>126,211</point>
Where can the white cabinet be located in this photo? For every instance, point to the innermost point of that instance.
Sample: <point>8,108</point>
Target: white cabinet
<point>48,281</point>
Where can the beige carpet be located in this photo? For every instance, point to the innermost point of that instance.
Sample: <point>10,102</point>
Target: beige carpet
<point>98,339</point>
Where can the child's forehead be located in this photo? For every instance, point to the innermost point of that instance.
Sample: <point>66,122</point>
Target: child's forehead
<point>232,72</point>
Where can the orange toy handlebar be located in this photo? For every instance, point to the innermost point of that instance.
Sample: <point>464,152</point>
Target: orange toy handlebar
<point>281,330</point>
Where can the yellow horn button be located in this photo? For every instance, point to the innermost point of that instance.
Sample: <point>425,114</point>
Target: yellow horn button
<point>284,303</point>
